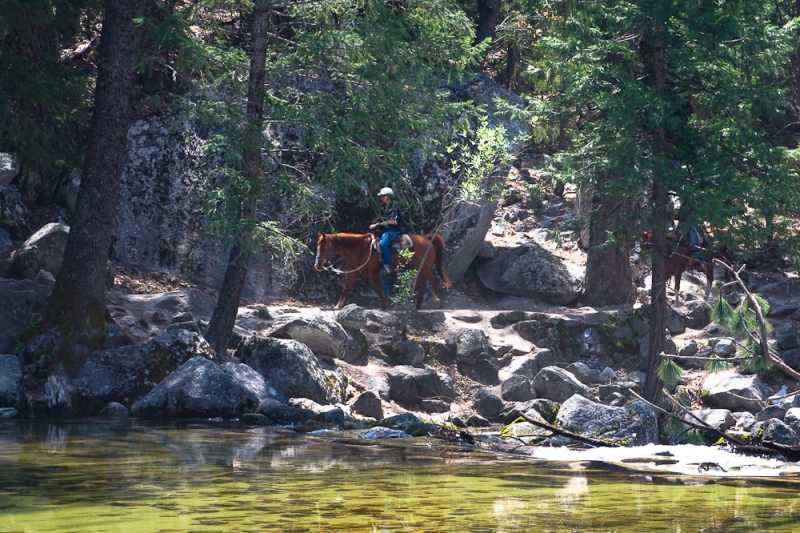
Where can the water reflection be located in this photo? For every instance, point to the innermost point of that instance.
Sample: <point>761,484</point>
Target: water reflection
<point>222,477</point>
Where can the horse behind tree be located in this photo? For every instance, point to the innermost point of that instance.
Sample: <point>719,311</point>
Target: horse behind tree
<point>363,258</point>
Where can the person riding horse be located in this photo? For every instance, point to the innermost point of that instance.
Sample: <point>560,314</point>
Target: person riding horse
<point>391,225</point>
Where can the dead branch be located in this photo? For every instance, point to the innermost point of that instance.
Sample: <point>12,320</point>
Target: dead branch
<point>767,354</point>
<point>791,453</point>
<point>565,433</point>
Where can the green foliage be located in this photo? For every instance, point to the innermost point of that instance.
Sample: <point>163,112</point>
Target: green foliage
<point>717,364</point>
<point>488,151</point>
<point>705,134</point>
<point>44,98</point>
<point>675,428</point>
<point>693,436</point>
<point>756,365</point>
<point>723,313</point>
<point>404,293</point>
<point>669,372</point>
<point>508,429</point>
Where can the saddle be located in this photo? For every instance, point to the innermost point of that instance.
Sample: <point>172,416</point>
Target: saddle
<point>401,242</point>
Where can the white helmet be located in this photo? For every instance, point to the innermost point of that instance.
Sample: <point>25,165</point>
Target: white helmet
<point>386,191</point>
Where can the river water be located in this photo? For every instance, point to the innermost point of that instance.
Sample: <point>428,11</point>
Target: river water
<point>219,477</point>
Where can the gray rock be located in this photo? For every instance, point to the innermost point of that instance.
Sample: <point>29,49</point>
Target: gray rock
<point>635,424</point>
<point>729,390</point>
<point>719,419</point>
<point>530,270</point>
<point>517,389</point>
<point>249,379</point>
<point>9,168</point>
<point>280,413</point>
<point>698,314</point>
<point>126,374</point>
<point>470,344</point>
<point>485,370</point>
<point>434,406</point>
<point>380,386</point>
<point>772,411</point>
<point>10,381</point>
<point>404,352</point>
<point>410,385</point>
<point>776,430</point>
<point>323,336</point>
<point>368,403</point>
<point>488,404</point>
<point>21,303</point>
<point>558,385</point>
<point>581,371</point>
<point>116,410</point>
<point>792,418</point>
<point>724,347</point>
<point>788,341</point>
<point>408,423</point>
<point>198,388</point>
<point>675,321</point>
<point>477,421</point>
<point>290,367</point>
<point>378,433</point>
<point>14,214</point>
<point>352,317</point>
<point>7,413</point>
<point>41,251</point>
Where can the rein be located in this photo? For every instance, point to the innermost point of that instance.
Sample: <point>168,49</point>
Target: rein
<point>337,271</point>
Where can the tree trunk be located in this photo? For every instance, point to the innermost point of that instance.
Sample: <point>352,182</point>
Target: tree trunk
<point>658,291</point>
<point>77,305</point>
<point>222,321</point>
<point>608,268</point>
<point>488,15</point>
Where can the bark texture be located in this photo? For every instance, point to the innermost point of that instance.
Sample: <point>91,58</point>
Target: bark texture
<point>222,321</point>
<point>77,305</point>
<point>608,269</point>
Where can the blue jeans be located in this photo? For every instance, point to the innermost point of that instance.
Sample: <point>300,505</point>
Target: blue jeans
<point>386,239</point>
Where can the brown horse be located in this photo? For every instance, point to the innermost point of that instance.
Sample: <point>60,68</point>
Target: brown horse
<point>363,258</point>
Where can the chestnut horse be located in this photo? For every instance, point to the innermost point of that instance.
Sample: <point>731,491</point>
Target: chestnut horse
<point>363,258</point>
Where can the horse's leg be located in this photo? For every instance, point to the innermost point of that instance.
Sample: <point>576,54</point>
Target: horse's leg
<point>427,272</point>
<point>420,292</point>
<point>374,276</point>
<point>349,280</point>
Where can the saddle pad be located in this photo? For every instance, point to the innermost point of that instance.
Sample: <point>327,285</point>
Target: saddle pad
<point>403,242</point>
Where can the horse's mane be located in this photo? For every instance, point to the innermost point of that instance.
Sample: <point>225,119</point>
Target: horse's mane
<point>348,236</point>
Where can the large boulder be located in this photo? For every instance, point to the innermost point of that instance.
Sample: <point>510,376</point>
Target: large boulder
<point>126,374</point>
<point>470,344</point>
<point>290,367</point>
<point>10,381</point>
<point>531,270</point>
<point>14,214</point>
<point>21,304</point>
<point>323,336</point>
<point>635,424</point>
<point>558,385</point>
<point>9,168</point>
<point>41,251</point>
<point>409,385</point>
<point>198,388</point>
<point>144,316</point>
<point>736,392</point>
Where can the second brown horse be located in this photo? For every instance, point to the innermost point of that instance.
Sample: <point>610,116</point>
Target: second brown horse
<point>362,258</point>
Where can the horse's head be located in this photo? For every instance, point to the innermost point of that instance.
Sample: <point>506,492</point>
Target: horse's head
<point>324,252</point>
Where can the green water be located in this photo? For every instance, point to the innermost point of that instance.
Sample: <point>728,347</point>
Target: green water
<point>87,478</point>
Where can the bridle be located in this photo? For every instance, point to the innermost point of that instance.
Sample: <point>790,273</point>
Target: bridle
<point>327,257</point>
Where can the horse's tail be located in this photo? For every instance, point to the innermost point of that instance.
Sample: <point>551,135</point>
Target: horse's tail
<point>438,245</point>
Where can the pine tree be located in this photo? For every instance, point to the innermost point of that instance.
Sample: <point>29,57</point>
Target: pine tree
<point>674,99</point>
